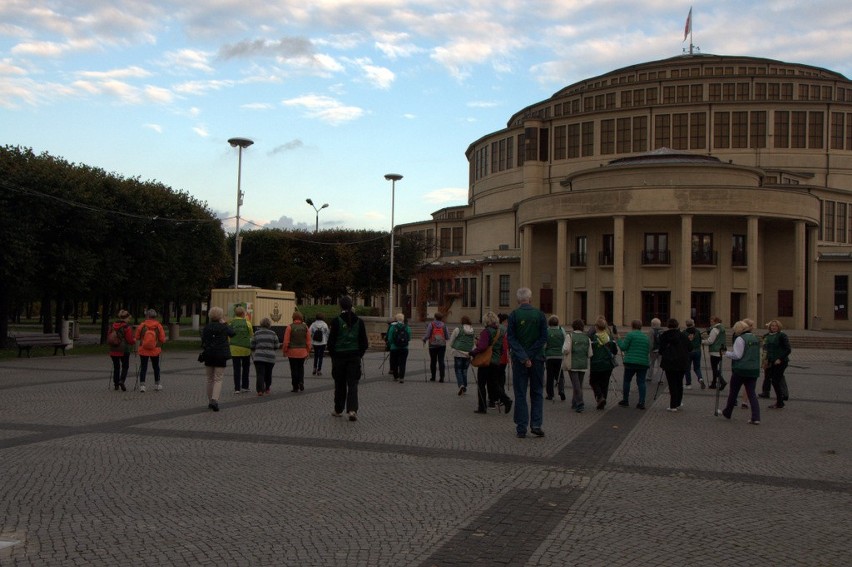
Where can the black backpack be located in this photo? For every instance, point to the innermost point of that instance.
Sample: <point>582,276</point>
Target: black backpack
<point>317,335</point>
<point>400,337</point>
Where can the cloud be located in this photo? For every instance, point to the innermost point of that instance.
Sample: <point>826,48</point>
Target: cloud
<point>201,130</point>
<point>287,48</point>
<point>325,108</point>
<point>133,71</point>
<point>201,87</point>
<point>257,106</point>
<point>446,195</point>
<point>188,59</point>
<point>155,127</point>
<point>396,45</point>
<point>289,146</point>
<point>286,222</point>
<point>380,77</point>
<point>482,104</point>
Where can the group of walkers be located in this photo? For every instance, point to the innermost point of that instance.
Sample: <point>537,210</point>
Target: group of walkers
<point>540,351</point>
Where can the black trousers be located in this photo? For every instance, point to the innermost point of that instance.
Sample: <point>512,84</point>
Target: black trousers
<point>398,358</point>
<point>346,372</point>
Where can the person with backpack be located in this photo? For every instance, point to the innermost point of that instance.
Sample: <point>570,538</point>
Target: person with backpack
<point>241,349</point>
<point>347,343</point>
<point>553,358</point>
<point>398,337</point>
<point>150,335</point>
<point>654,339</point>
<point>745,368</point>
<point>674,360</point>
<point>461,343</point>
<point>488,376</point>
<point>694,337</point>
<point>319,338</point>
<point>601,362</point>
<point>715,342</point>
<point>436,339</point>
<point>264,346</point>
<point>120,341</point>
<point>577,350</point>
<point>215,352</point>
<point>297,345</point>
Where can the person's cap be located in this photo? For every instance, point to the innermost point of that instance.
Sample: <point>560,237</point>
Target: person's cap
<point>345,303</point>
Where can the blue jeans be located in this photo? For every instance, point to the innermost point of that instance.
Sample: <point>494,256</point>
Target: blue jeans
<point>531,379</point>
<point>695,360</point>
<point>460,365</point>
<point>639,372</point>
<point>319,352</point>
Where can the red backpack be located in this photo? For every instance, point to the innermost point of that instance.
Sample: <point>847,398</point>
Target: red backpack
<point>437,338</point>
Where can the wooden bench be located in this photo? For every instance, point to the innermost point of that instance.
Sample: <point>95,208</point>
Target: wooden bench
<point>27,342</point>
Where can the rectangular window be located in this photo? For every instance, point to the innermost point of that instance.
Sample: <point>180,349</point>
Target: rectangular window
<point>786,91</point>
<point>662,131</point>
<point>668,95</point>
<point>774,91</point>
<point>849,130</point>
<point>495,152</point>
<point>626,99</point>
<point>446,241</point>
<point>698,130</point>
<point>655,304</point>
<point>578,257</point>
<point>680,131</point>
<point>510,153</point>
<point>639,97</point>
<point>651,95</point>
<point>588,139</point>
<point>504,290</point>
<point>837,130</point>
<point>458,240</point>
<point>468,292</point>
<point>798,129</point>
<point>721,130</point>
<point>760,91</point>
<point>757,129</point>
<point>544,144</point>
<point>841,298</point>
<point>487,290</point>
<point>607,255</point>
<point>640,134</point>
<point>785,302</point>
<point>573,140</point>
<point>683,93</point>
<point>715,92</point>
<point>622,136</point>
<point>738,250</point>
<point>816,127</point>
<point>841,222</point>
<point>702,249</point>
<point>828,221</point>
<point>742,91</point>
<point>782,129</point>
<point>559,139</point>
<point>696,93</point>
<point>607,137</point>
<point>739,129</point>
<point>530,144</point>
<point>656,248</point>
<point>728,91</point>
<point>520,150</point>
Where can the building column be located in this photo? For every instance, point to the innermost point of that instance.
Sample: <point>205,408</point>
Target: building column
<point>813,305</point>
<point>752,310</point>
<point>526,256</point>
<point>618,270</point>
<point>800,257</point>
<point>683,302</point>
<point>560,301</point>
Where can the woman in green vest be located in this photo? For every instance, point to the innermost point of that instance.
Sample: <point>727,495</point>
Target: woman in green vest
<point>745,368</point>
<point>553,359</point>
<point>776,344</point>
<point>461,343</point>
<point>577,350</point>
<point>488,377</point>
<point>241,349</point>
<point>715,342</point>
<point>602,361</point>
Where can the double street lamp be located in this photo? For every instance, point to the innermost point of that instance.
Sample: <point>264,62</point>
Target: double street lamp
<point>240,143</point>
<point>393,178</point>
<point>317,210</point>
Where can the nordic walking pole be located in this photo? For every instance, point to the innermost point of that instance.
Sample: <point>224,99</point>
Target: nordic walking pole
<point>716,412</point>
<point>659,383</point>
<point>136,365</point>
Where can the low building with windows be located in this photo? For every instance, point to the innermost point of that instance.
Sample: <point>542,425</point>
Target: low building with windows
<point>693,186</point>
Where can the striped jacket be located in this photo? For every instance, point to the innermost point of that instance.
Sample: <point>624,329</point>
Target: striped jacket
<point>265,345</point>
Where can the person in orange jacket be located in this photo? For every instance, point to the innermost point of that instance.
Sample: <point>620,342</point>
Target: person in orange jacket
<point>296,346</point>
<point>150,335</point>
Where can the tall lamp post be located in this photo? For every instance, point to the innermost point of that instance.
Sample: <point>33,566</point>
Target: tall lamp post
<point>311,203</point>
<point>393,178</point>
<point>241,143</point>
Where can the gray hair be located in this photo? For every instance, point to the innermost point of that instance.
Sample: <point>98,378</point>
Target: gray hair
<point>216,313</point>
<point>400,317</point>
<point>151,313</point>
<point>265,323</point>
<point>524,294</point>
<point>490,318</point>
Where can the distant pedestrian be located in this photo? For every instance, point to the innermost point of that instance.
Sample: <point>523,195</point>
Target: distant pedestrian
<point>241,349</point>
<point>347,343</point>
<point>120,340</point>
<point>674,360</point>
<point>319,339</point>
<point>553,359</point>
<point>436,339</point>
<point>576,351</point>
<point>693,335</point>
<point>461,343</point>
<point>715,342</point>
<point>488,376</point>
<point>215,352</point>
<point>654,337</point>
<point>264,346</point>
<point>602,361</point>
<point>636,348</point>
<point>150,336</point>
<point>500,388</point>
<point>776,344</point>
<point>745,368</point>
<point>527,329</point>
<point>398,337</point>
<point>297,345</point>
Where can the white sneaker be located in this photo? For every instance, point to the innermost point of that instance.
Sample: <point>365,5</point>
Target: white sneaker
<point>142,388</point>
<point>158,387</point>
<point>671,409</point>
<point>688,387</point>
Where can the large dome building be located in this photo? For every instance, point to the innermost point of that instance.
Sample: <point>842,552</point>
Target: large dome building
<point>688,187</point>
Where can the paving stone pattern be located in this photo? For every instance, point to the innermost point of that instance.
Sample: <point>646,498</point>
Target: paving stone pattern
<point>93,476</point>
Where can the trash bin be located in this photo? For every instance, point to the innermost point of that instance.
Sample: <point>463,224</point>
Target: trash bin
<point>174,331</point>
<point>67,333</point>
<point>816,325</point>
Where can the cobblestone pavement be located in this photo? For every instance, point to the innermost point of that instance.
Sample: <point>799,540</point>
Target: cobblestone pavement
<point>92,476</point>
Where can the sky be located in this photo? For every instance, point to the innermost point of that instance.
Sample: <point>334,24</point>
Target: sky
<point>337,93</point>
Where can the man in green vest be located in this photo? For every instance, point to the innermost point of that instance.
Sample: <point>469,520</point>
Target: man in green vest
<point>527,334</point>
<point>347,343</point>
<point>745,368</point>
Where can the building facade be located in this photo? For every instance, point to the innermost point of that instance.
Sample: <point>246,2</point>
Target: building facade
<point>688,187</point>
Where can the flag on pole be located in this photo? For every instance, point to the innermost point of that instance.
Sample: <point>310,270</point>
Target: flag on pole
<point>688,27</point>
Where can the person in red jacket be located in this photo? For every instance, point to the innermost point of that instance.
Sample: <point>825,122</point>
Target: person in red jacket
<point>150,335</point>
<point>120,340</point>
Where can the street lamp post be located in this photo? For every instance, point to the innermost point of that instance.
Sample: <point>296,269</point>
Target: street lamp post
<point>393,178</point>
<point>317,210</point>
<point>241,143</point>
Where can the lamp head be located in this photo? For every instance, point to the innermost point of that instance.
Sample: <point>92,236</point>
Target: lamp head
<point>324,206</point>
<point>241,142</point>
<point>310,202</point>
<point>393,176</point>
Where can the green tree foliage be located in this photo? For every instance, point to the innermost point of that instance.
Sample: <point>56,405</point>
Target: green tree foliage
<point>72,232</point>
